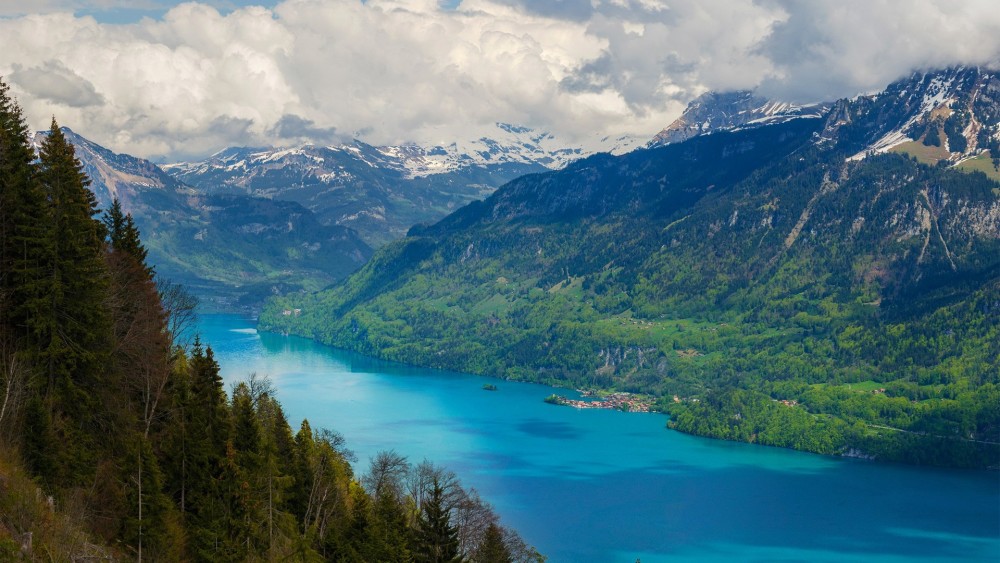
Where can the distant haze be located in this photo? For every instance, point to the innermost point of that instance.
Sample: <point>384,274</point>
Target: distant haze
<point>173,82</point>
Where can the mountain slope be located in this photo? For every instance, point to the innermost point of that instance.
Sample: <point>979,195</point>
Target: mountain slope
<point>765,285</point>
<point>948,116</point>
<point>226,248</point>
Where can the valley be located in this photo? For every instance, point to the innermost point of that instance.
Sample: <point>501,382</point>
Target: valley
<point>494,281</point>
<point>648,272</point>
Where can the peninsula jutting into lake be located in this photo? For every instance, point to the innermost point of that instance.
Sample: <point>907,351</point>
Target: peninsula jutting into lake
<point>618,401</point>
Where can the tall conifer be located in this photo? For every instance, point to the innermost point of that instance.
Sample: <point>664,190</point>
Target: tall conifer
<point>23,224</point>
<point>77,324</point>
<point>210,455</point>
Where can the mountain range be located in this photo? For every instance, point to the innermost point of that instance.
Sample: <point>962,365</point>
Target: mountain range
<point>249,223</point>
<point>825,282</point>
<point>381,191</point>
<point>302,198</point>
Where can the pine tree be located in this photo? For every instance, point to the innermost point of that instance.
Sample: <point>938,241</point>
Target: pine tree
<point>389,536</point>
<point>354,546</point>
<point>145,525</point>
<point>39,440</point>
<point>436,540</point>
<point>177,434</point>
<point>23,283</point>
<point>246,504</point>
<point>299,497</point>
<point>77,272</point>
<point>277,465</point>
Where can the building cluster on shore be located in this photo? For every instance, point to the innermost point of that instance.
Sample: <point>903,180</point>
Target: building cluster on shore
<point>618,401</point>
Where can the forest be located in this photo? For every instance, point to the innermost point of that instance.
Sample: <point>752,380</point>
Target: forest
<point>118,440</point>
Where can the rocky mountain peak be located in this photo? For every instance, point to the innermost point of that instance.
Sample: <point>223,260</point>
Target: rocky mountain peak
<point>726,111</point>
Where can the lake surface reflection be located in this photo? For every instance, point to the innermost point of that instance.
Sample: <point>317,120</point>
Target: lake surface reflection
<point>596,485</point>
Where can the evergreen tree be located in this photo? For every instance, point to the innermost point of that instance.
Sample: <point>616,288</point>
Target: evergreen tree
<point>70,327</point>
<point>354,546</point>
<point>300,493</point>
<point>389,537</point>
<point>23,227</point>
<point>492,549</point>
<point>39,440</point>
<point>123,235</point>
<point>209,455</point>
<point>176,435</point>
<point>246,429</point>
<point>244,478</point>
<point>933,136</point>
<point>436,540</point>
<point>76,318</point>
<point>277,464</point>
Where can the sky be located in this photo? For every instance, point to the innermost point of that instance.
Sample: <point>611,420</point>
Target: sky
<point>178,81</point>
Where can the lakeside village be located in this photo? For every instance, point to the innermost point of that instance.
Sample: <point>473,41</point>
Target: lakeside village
<point>619,401</point>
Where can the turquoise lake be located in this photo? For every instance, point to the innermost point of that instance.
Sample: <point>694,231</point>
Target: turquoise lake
<point>597,485</point>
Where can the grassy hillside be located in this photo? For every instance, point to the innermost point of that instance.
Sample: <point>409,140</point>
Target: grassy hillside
<point>778,295</point>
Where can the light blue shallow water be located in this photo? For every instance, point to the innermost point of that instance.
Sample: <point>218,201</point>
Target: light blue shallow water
<point>608,486</point>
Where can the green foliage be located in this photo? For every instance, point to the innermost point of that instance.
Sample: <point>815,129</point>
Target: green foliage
<point>932,137</point>
<point>148,508</point>
<point>954,127</point>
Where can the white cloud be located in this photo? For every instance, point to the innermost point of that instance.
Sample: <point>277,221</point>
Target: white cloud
<point>195,80</point>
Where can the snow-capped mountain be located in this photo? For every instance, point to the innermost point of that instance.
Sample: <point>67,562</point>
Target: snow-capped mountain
<point>944,115</point>
<point>726,111</point>
<point>382,191</point>
<point>507,145</point>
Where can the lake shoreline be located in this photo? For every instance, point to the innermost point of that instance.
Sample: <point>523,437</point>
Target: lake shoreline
<point>605,485</point>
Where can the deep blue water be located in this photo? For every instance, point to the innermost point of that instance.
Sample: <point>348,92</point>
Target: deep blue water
<point>600,485</point>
